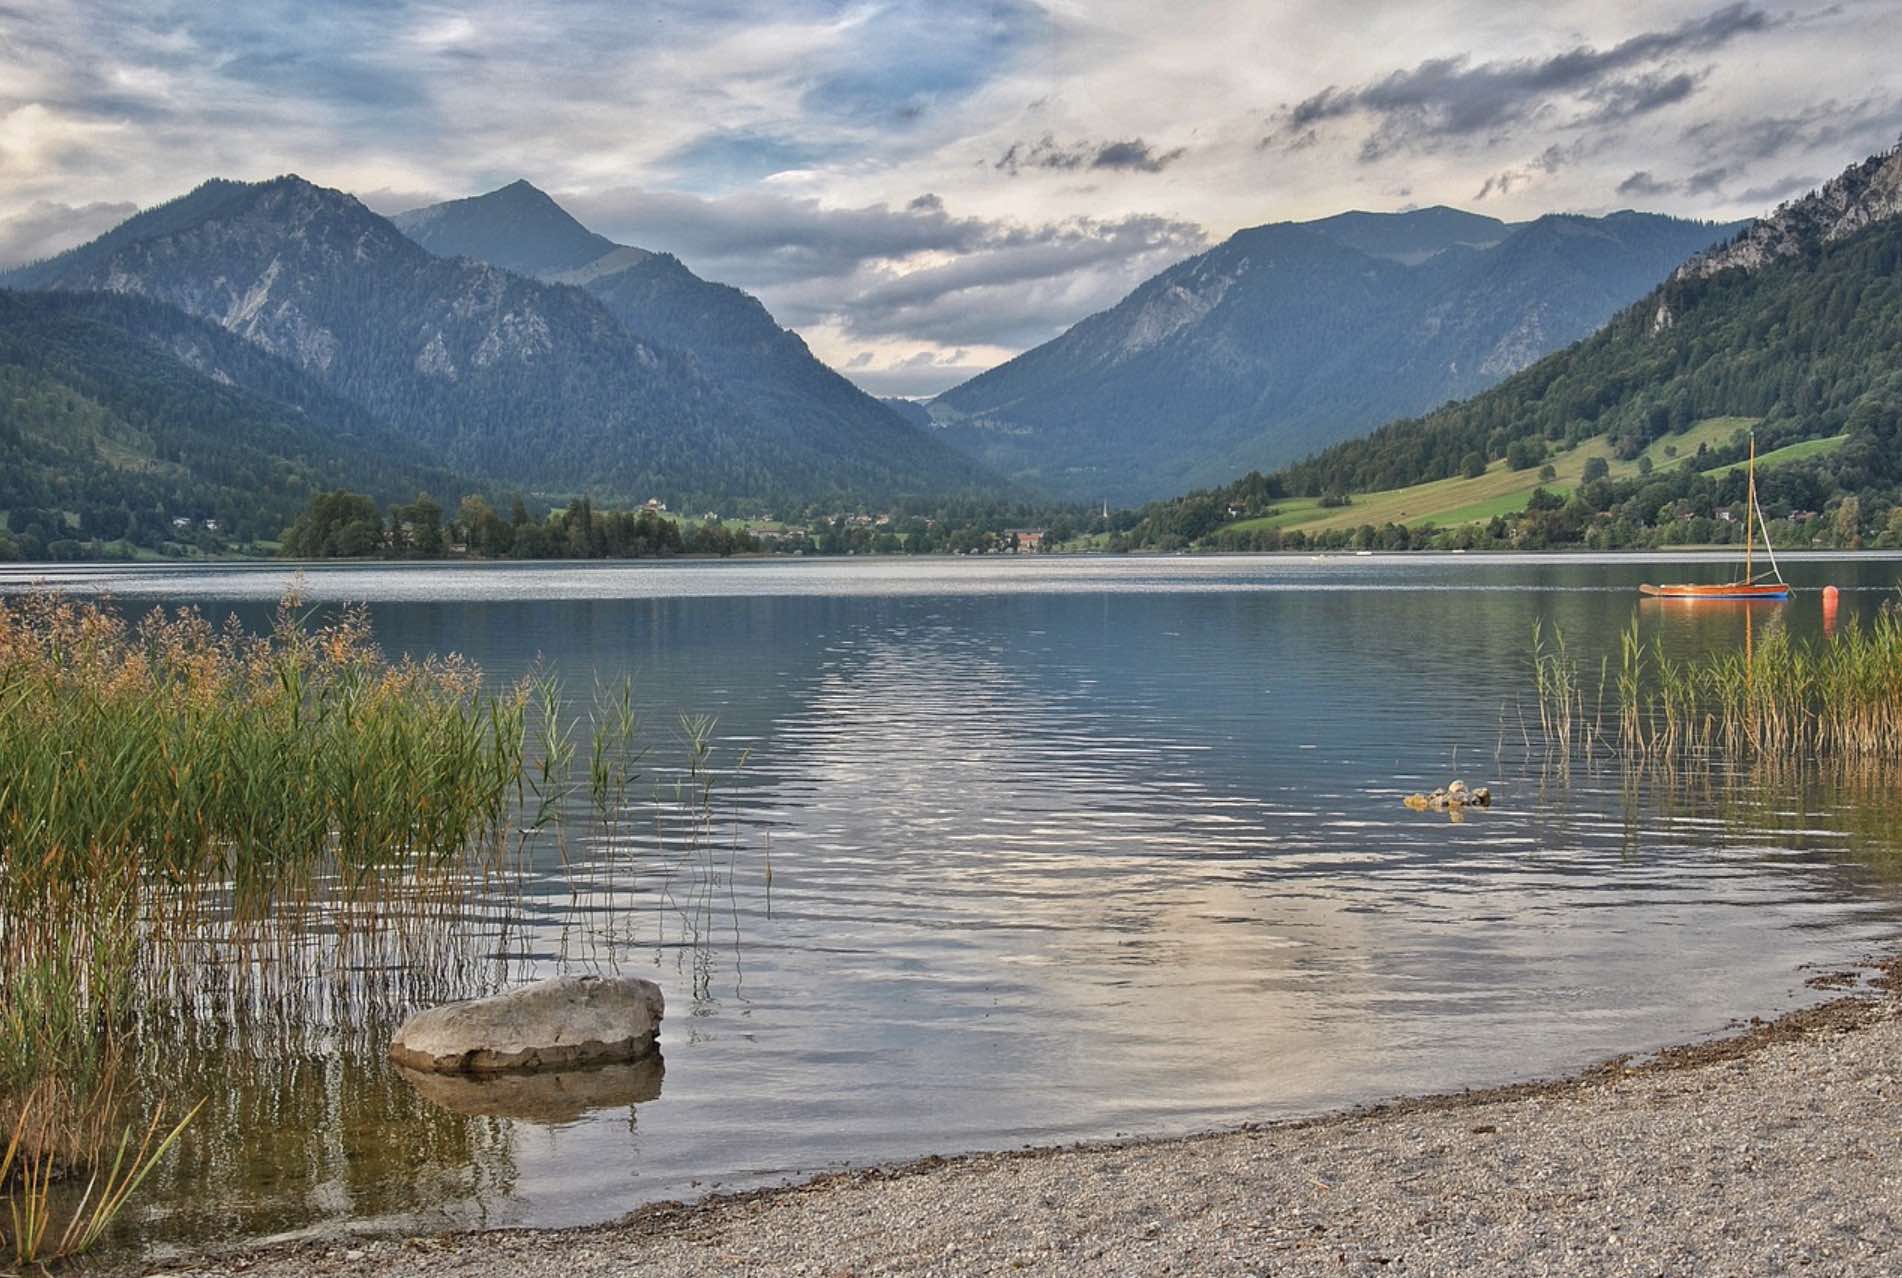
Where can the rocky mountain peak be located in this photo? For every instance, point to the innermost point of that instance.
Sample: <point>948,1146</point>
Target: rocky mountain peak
<point>1862,194</point>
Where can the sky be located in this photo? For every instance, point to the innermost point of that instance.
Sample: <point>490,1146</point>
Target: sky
<point>924,189</point>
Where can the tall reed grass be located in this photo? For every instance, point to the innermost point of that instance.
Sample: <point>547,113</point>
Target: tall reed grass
<point>196,819</point>
<point>1836,698</point>
<point>262,850</point>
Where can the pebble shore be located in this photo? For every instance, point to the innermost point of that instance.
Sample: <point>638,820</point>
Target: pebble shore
<point>1776,1151</point>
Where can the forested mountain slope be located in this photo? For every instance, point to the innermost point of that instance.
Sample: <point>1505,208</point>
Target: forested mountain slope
<point>119,416</point>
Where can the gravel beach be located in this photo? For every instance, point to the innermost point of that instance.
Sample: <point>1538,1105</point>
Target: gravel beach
<point>1776,1151</point>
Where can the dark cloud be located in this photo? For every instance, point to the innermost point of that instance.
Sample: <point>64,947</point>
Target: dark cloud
<point>1852,128</point>
<point>1644,186</point>
<point>1773,193</point>
<point>1548,161</point>
<point>1133,155</point>
<point>44,228</point>
<point>1453,98</point>
<point>1706,181</point>
<point>1711,181</point>
<point>1620,100</point>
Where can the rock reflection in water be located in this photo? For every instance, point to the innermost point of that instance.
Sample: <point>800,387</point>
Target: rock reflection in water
<point>561,1096</point>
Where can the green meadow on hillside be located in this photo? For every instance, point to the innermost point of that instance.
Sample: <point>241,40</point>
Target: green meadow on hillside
<point>1504,491</point>
<point>1793,452</point>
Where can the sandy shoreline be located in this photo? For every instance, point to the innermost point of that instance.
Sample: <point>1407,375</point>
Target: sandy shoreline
<point>1778,1149</point>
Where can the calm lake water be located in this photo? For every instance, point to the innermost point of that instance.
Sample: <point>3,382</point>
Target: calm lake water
<point>1037,850</point>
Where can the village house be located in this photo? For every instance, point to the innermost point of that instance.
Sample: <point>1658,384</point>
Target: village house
<point>1028,540</point>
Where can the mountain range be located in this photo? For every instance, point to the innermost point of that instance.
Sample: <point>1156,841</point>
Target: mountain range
<point>507,378</point>
<point>226,355</point>
<point>1288,337</point>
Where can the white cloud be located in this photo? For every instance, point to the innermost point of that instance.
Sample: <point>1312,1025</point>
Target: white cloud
<point>44,228</point>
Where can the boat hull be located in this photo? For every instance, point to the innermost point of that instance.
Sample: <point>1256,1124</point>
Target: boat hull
<point>1736,590</point>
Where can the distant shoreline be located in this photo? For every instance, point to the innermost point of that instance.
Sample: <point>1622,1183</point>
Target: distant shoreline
<point>1662,553</point>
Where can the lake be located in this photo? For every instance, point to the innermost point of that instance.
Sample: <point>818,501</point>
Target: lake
<point>1028,851</point>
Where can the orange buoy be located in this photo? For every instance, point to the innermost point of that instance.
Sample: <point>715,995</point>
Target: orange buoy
<point>1829,610</point>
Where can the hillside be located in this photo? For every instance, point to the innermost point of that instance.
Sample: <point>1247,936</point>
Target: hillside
<point>528,383</point>
<point>119,416</point>
<point>1290,336</point>
<point>1800,339</point>
<point>1502,490</point>
<point>730,336</point>
<point>1805,341</point>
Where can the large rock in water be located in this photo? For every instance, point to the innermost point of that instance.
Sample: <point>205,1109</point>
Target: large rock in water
<point>557,1024</point>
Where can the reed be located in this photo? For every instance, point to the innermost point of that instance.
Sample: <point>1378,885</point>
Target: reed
<point>1838,698</point>
<point>219,846</point>
<point>193,820</point>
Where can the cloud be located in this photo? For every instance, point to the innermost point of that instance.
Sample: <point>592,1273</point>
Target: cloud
<point>390,201</point>
<point>44,228</point>
<point>1023,286</point>
<point>1858,127</point>
<point>1715,180</point>
<point>1773,193</point>
<point>758,237</point>
<point>1453,99</point>
<point>1623,99</point>
<point>1706,181</point>
<point>1645,186</point>
<point>1551,160</point>
<point>916,271</point>
<point>1131,156</point>
<point>917,376</point>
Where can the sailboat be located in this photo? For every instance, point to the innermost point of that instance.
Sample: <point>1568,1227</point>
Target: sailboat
<point>1749,587</point>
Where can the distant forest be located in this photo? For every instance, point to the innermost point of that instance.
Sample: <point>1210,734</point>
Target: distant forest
<point>347,525</point>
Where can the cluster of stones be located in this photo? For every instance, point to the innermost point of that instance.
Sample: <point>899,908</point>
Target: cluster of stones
<point>1452,798</point>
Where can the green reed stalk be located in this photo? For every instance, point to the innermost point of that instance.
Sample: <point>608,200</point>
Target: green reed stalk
<point>1834,698</point>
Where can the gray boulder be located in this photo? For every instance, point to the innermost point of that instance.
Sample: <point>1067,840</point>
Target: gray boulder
<point>555,1024</point>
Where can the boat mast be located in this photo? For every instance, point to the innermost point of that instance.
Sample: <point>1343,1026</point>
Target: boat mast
<point>1750,510</point>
